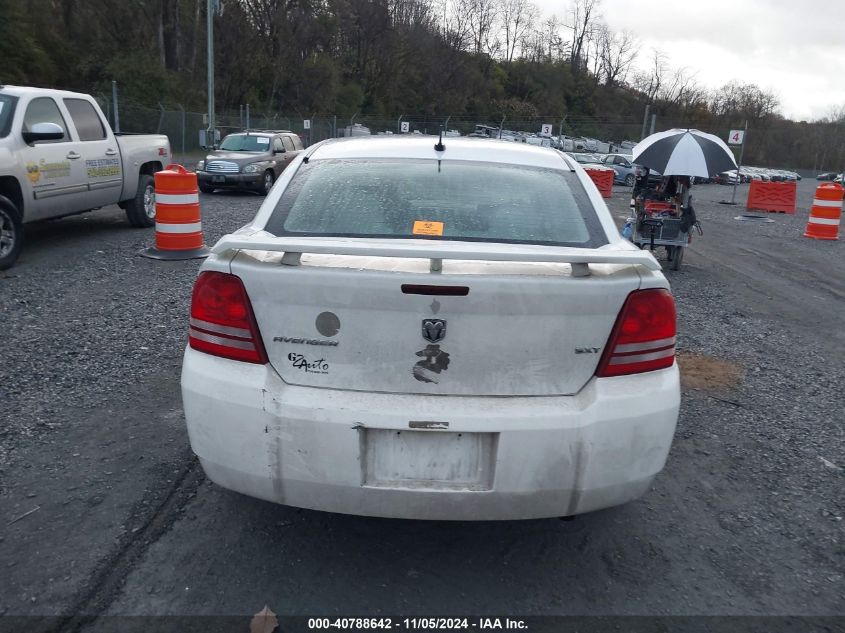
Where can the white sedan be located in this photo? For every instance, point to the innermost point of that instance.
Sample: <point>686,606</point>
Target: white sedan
<point>432,331</point>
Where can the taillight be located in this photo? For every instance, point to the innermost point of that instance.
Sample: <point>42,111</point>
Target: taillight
<point>643,338</point>
<point>222,322</point>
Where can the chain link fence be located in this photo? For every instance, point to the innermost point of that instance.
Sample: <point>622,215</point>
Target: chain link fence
<point>184,127</point>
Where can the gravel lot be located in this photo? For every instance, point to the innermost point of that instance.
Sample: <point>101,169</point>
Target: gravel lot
<point>746,519</point>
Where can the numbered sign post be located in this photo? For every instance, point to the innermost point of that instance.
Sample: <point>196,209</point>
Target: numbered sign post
<point>306,125</point>
<point>405,127</point>
<point>546,130</point>
<point>737,137</point>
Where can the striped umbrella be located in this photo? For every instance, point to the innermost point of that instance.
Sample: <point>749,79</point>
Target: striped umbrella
<point>684,152</point>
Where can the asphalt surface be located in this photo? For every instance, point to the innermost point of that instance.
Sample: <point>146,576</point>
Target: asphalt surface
<point>104,510</point>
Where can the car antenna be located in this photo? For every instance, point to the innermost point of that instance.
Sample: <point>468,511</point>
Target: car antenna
<point>439,147</point>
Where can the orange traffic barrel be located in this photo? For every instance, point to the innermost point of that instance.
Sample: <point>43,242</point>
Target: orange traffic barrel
<point>178,217</point>
<point>823,223</point>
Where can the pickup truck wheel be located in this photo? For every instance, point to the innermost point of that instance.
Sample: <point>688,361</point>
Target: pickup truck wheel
<point>11,233</point>
<point>267,182</point>
<point>206,188</point>
<point>141,210</point>
<point>629,180</point>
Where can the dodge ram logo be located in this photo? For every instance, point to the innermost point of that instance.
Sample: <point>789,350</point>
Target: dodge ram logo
<point>434,330</point>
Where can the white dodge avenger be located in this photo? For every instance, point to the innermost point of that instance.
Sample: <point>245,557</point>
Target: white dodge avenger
<point>432,329</point>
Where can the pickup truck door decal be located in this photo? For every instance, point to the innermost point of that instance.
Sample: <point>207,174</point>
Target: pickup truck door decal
<point>103,173</point>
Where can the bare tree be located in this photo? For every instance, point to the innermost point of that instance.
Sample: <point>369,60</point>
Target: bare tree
<point>517,19</point>
<point>550,41</point>
<point>746,100</point>
<point>617,52</point>
<point>651,82</point>
<point>481,16</point>
<point>583,16</point>
<point>676,85</point>
<point>456,25</point>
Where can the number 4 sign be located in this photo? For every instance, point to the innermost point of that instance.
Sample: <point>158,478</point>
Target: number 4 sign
<point>736,137</point>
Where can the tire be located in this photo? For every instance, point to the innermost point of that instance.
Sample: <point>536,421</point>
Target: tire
<point>676,256</point>
<point>629,180</point>
<point>206,188</point>
<point>267,182</point>
<point>11,233</point>
<point>141,210</point>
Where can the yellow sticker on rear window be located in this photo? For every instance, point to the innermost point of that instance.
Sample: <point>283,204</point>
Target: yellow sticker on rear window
<point>422,227</point>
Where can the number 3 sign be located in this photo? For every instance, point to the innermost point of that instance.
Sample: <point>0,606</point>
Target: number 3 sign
<point>736,137</point>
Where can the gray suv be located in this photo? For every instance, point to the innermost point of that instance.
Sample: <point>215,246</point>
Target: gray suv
<point>248,160</point>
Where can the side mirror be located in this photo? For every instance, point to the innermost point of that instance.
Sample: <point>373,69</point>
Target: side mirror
<point>43,132</point>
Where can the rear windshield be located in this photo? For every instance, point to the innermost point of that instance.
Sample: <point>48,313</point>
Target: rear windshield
<point>450,200</point>
<point>246,143</point>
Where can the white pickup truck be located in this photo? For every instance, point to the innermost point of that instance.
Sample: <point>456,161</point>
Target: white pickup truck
<point>59,156</point>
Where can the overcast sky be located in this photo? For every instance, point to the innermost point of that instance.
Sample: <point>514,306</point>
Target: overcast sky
<point>796,48</point>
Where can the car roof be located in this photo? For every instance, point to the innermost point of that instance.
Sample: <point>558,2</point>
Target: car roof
<point>456,148</point>
<point>255,132</point>
<point>23,91</point>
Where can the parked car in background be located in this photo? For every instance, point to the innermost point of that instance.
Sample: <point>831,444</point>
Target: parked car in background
<point>585,159</point>
<point>730,177</point>
<point>623,165</point>
<point>539,141</point>
<point>59,156</point>
<point>626,169</point>
<point>248,160</point>
<point>830,175</point>
<point>357,376</point>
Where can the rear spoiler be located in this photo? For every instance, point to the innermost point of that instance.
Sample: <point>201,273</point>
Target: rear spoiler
<point>434,250</point>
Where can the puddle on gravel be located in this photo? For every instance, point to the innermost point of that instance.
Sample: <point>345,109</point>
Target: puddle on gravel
<point>699,371</point>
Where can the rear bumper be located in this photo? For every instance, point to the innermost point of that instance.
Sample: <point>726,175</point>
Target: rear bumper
<point>304,447</point>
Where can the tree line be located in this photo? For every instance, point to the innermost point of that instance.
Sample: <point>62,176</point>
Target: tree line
<point>479,60</point>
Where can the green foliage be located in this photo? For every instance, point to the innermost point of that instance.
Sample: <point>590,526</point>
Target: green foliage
<point>23,58</point>
<point>378,57</point>
<point>139,76</point>
<point>349,99</point>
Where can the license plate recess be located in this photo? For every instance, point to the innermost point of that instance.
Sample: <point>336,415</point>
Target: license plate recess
<point>431,460</point>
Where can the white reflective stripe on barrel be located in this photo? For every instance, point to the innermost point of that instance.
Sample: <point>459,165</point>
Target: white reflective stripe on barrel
<point>826,203</point>
<point>193,227</point>
<point>828,221</point>
<point>177,198</point>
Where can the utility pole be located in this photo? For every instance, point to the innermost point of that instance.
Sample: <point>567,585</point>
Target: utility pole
<point>645,121</point>
<point>212,6</point>
<point>653,121</point>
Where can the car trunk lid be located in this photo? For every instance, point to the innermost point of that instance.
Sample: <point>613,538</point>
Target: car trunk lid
<point>475,326</point>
